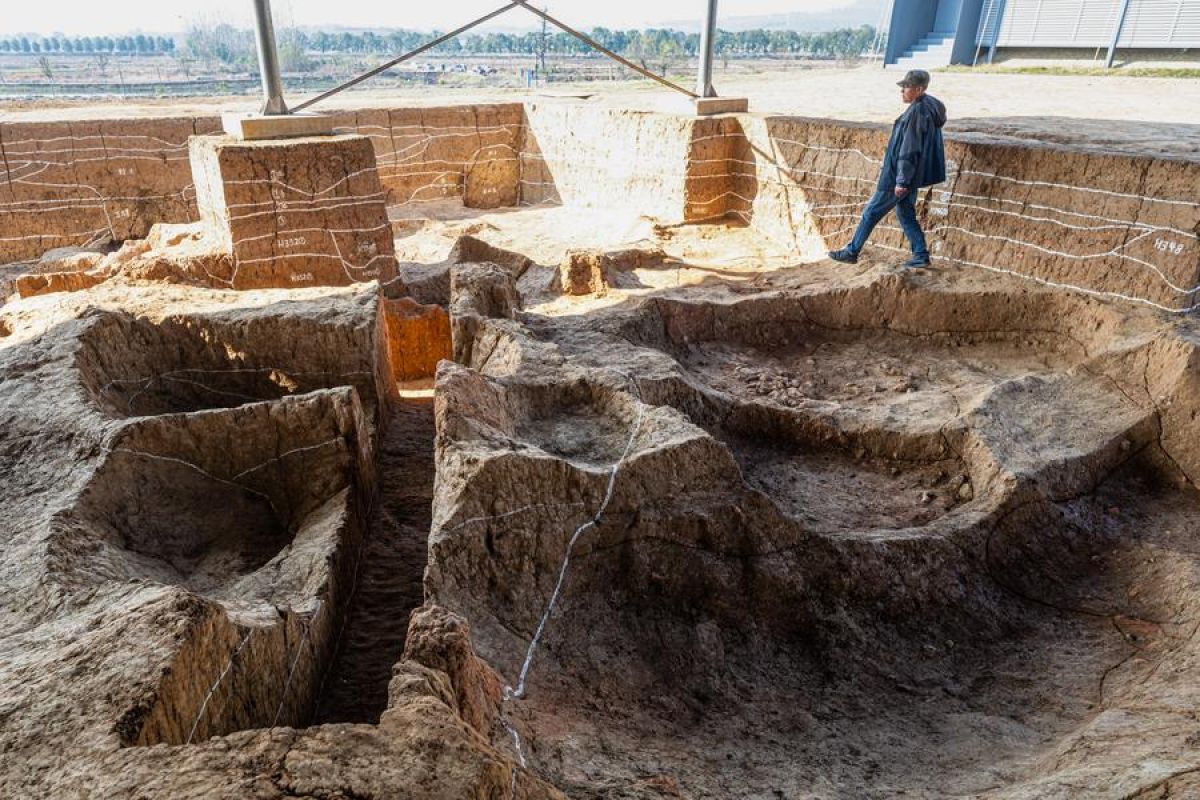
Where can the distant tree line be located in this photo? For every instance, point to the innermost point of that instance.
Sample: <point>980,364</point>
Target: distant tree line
<point>227,45</point>
<point>222,43</point>
<point>139,43</point>
<point>649,43</point>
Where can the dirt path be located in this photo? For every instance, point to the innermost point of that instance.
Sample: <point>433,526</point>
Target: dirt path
<point>390,573</point>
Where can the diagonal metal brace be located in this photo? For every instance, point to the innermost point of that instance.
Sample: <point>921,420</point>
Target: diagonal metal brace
<point>583,37</point>
<point>411,54</point>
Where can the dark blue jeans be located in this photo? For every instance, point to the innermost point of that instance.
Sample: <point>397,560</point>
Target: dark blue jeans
<point>877,208</point>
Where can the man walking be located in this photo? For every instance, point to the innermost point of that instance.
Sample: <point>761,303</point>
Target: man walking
<point>915,158</point>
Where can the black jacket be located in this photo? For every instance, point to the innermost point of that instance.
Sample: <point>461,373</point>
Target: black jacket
<point>916,155</point>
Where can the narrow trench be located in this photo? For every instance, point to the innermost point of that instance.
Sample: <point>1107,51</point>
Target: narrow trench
<point>390,571</point>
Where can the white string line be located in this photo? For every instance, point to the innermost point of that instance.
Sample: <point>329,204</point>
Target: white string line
<point>100,159</point>
<point>513,513</point>
<point>312,623</point>
<point>1037,207</point>
<point>518,692</point>
<point>1115,252</point>
<point>391,159</point>
<point>173,375</point>
<point>970,172</point>
<point>416,159</point>
<point>212,691</point>
<point>955,194</point>
<point>198,385</point>
<point>996,176</point>
<point>1072,287</point>
<point>315,205</point>
<point>421,145</point>
<point>344,263</point>
<point>283,231</point>
<point>190,465</point>
<point>75,201</point>
<point>309,193</point>
<point>319,446</point>
<point>65,235</point>
<point>1088,190</point>
<point>1116,226</point>
<point>82,136</point>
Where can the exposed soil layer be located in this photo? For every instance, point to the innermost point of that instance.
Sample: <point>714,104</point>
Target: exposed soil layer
<point>392,563</point>
<point>868,541</point>
<point>686,516</point>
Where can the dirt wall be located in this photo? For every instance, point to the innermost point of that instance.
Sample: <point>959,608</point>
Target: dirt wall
<point>579,155</point>
<point>75,183</point>
<point>450,151</point>
<point>1117,225</point>
<point>1113,224</point>
<point>79,183</point>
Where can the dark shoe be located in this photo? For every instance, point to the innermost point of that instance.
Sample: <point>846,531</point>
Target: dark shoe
<point>916,262</point>
<point>844,256</point>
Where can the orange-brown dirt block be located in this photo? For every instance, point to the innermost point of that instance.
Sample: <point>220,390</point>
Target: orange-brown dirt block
<point>294,212</point>
<point>75,183</point>
<point>434,153</point>
<point>35,284</point>
<point>594,271</point>
<point>418,337</point>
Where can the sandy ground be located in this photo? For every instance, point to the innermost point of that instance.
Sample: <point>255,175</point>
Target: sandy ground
<point>862,94</point>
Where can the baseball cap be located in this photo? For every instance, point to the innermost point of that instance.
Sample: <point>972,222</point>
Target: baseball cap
<point>914,77</point>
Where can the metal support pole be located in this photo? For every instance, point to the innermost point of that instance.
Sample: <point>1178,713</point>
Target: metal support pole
<point>1116,37</point>
<point>268,60</point>
<point>708,40</point>
<point>996,30</point>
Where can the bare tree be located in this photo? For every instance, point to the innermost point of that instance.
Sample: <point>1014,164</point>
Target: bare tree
<point>46,67</point>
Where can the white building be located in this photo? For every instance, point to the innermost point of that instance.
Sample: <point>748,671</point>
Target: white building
<point>934,33</point>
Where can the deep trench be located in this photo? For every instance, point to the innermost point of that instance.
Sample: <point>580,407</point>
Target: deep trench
<point>390,571</point>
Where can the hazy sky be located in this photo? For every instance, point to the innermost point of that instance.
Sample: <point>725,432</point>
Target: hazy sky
<point>78,17</point>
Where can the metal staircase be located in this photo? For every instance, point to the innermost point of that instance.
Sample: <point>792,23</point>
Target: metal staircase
<point>935,49</point>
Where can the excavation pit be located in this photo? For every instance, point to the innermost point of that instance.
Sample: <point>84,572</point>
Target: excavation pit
<point>136,367</point>
<point>934,374</point>
<point>585,431</point>
<point>836,492</point>
<point>689,511</point>
<point>180,526</point>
